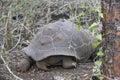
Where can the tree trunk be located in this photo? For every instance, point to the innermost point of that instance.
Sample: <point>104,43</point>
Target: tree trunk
<point>111,38</point>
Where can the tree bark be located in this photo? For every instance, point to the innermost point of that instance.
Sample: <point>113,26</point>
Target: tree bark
<point>111,38</point>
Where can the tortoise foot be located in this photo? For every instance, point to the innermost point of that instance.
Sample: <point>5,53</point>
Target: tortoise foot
<point>42,66</point>
<point>69,63</point>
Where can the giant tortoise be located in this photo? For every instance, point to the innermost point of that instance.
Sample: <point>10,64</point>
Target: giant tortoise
<point>58,43</point>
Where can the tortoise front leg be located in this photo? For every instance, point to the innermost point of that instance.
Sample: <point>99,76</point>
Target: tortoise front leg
<point>68,62</point>
<point>42,65</point>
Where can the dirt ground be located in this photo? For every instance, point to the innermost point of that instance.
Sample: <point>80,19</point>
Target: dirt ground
<point>82,72</point>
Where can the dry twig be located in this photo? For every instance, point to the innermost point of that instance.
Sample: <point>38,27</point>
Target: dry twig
<point>18,78</point>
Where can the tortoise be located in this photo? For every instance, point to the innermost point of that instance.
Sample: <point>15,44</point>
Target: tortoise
<point>58,43</point>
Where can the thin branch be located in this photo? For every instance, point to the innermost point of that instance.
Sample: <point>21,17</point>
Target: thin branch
<point>10,69</point>
<point>57,9</point>
<point>26,28</point>
<point>16,43</point>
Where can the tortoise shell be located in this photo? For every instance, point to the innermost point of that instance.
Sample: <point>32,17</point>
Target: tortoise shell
<point>61,38</point>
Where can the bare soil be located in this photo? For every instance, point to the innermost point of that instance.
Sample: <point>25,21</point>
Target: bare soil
<point>82,72</point>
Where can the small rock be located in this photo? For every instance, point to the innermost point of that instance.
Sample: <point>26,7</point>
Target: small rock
<point>58,78</point>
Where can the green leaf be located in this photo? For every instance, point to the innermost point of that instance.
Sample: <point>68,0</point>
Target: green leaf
<point>89,9</point>
<point>81,14</point>
<point>79,26</point>
<point>98,8</point>
<point>93,25</point>
<point>100,15</point>
<point>99,36</point>
<point>101,77</point>
<point>96,44</point>
<point>98,63</point>
<point>100,53</point>
<point>83,5</point>
<point>70,6</point>
<point>94,68</point>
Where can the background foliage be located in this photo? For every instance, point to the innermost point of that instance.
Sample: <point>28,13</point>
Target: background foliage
<point>21,19</point>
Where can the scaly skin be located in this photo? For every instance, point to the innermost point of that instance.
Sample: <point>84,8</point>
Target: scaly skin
<point>66,62</point>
